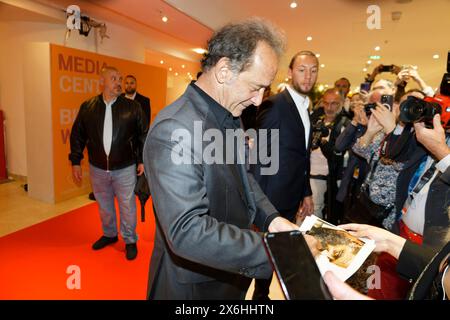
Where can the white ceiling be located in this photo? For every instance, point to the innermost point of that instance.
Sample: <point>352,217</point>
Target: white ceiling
<point>340,32</point>
<point>338,28</point>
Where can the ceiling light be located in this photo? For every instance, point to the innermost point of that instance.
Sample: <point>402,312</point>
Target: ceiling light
<point>286,79</point>
<point>162,62</point>
<point>365,69</point>
<point>309,38</point>
<point>317,55</point>
<point>199,50</point>
<point>326,86</point>
<point>176,73</point>
<point>322,65</point>
<point>320,88</point>
<point>293,5</point>
<point>164,19</point>
<point>377,48</point>
<point>436,56</point>
<point>170,69</point>
<point>183,66</point>
<point>369,62</point>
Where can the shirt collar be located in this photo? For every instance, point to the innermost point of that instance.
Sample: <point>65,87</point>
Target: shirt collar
<point>132,97</point>
<point>111,102</point>
<point>221,114</point>
<point>299,99</point>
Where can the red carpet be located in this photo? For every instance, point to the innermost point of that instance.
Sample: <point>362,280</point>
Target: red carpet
<point>34,261</point>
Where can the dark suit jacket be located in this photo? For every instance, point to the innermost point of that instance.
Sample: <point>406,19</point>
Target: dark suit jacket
<point>437,212</point>
<point>145,104</point>
<point>204,246</point>
<point>287,188</point>
<point>420,264</point>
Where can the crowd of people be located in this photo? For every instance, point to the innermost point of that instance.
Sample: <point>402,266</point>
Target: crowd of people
<point>353,159</point>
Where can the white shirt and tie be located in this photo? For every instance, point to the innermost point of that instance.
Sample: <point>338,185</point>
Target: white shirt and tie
<point>108,126</point>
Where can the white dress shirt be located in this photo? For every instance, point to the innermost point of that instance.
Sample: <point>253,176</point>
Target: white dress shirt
<point>302,104</point>
<point>108,127</point>
<point>415,216</point>
<point>131,97</point>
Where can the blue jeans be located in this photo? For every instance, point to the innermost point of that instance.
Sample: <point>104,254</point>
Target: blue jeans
<point>119,183</point>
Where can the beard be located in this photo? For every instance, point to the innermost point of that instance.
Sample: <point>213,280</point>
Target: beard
<point>300,90</point>
<point>130,91</point>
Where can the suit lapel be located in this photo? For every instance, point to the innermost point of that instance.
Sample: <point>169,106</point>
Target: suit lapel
<point>296,115</point>
<point>211,122</point>
<point>293,109</point>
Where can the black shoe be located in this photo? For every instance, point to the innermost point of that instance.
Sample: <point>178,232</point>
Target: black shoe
<point>103,242</point>
<point>131,250</point>
<point>91,196</point>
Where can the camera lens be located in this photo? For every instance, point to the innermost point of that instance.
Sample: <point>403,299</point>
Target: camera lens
<point>416,110</point>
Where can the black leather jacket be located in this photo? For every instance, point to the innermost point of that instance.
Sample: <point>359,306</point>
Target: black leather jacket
<point>129,133</point>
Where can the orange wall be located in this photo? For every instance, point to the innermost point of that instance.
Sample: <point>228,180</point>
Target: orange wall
<point>74,79</point>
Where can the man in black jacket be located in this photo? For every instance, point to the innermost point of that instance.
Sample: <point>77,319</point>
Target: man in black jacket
<point>326,162</point>
<point>288,189</point>
<point>113,128</point>
<point>131,93</point>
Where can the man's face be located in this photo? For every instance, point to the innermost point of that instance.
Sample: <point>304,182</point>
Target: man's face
<point>112,83</point>
<point>343,86</point>
<point>247,88</point>
<point>331,103</point>
<point>304,73</point>
<point>130,85</point>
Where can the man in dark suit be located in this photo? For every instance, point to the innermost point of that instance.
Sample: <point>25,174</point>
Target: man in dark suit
<point>205,202</point>
<point>131,93</point>
<point>289,189</point>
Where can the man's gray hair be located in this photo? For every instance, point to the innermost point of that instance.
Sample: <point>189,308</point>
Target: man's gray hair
<point>238,42</point>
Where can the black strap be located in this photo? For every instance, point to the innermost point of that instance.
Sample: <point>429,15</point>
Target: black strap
<point>426,177</point>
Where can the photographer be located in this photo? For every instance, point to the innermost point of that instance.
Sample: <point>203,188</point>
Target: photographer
<point>377,195</point>
<point>357,167</point>
<point>370,78</point>
<point>326,163</point>
<point>403,79</point>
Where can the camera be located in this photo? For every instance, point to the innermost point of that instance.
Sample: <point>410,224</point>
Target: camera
<point>414,109</point>
<point>368,108</point>
<point>417,110</point>
<point>365,86</point>
<point>389,68</point>
<point>319,131</point>
<point>386,100</point>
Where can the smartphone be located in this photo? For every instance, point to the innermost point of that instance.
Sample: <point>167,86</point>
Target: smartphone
<point>387,101</point>
<point>295,266</point>
<point>368,107</point>
<point>365,86</point>
<point>389,68</point>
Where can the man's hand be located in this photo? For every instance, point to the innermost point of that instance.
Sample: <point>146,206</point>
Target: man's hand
<point>306,208</point>
<point>280,224</point>
<point>384,117</point>
<point>313,245</point>
<point>402,76</point>
<point>140,169</point>
<point>340,290</point>
<point>385,241</point>
<point>360,116</point>
<point>433,139</point>
<point>77,175</point>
